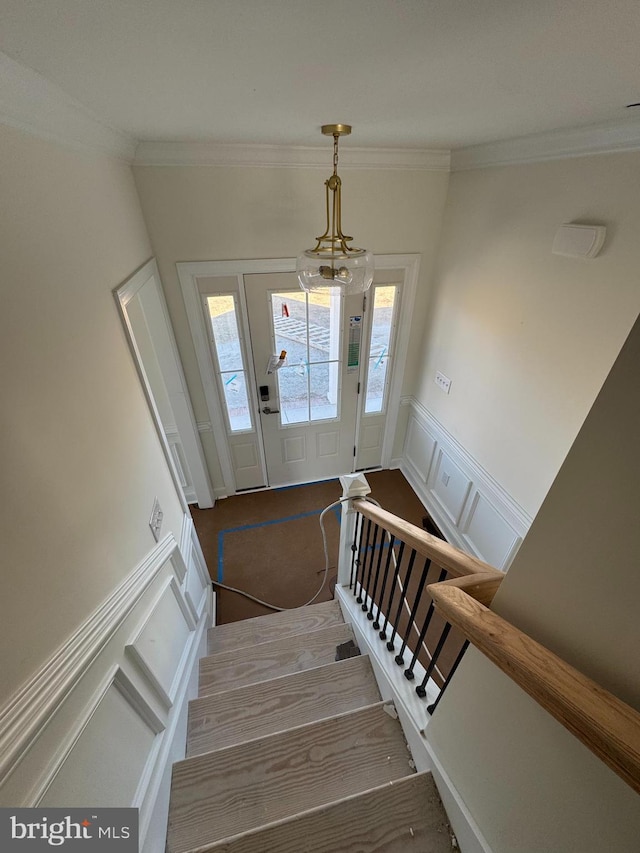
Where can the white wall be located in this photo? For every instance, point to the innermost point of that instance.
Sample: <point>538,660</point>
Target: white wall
<point>528,337</point>
<point>197,213</point>
<point>574,587</point>
<point>81,465</point>
<point>76,421</point>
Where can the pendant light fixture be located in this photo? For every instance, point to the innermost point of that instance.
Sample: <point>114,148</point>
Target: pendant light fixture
<point>333,262</point>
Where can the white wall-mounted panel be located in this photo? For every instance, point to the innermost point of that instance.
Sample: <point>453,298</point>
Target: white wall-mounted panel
<point>472,509</point>
<point>488,532</point>
<point>92,726</point>
<point>419,448</point>
<point>198,581</point>
<point>328,443</point>
<point>371,437</point>
<point>244,455</point>
<point>293,449</point>
<point>160,645</point>
<point>117,733</point>
<point>449,486</point>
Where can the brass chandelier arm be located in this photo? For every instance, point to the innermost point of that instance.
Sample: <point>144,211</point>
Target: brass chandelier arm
<point>333,232</point>
<point>333,259</point>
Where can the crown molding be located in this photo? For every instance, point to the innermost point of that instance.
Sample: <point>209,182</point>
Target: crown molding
<point>553,145</point>
<point>287,156</point>
<point>31,103</point>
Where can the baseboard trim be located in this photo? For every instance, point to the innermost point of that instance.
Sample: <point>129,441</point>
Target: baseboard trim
<point>413,716</point>
<point>157,791</point>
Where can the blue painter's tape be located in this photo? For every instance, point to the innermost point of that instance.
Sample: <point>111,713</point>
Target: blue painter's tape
<point>302,485</point>
<point>221,533</point>
<point>220,555</point>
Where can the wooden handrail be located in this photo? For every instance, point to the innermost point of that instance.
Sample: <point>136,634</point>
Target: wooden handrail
<point>604,723</point>
<point>447,556</point>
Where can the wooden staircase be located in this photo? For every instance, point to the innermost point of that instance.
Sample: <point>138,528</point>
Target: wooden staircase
<point>289,750</point>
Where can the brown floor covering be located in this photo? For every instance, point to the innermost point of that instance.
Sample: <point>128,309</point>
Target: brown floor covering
<point>270,544</point>
<point>277,559</point>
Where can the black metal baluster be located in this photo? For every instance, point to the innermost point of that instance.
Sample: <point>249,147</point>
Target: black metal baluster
<point>408,673</point>
<point>414,610</point>
<point>362,556</point>
<point>421,689</point>
<point>372,553</point>
<point>377,577</point>
<point>403,595</point>
<point>431,708</point>
<point>394,585</point>
<point>354,550</point>
<point>376,623</point>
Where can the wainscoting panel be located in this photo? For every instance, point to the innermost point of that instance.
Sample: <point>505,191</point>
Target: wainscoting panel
<point>419,448</point>
<point>449,486</point>
<point>486,531</point>
<point>197,584</point>
<point>161,643</point>
<point>100,723</point>
<point>116,733</point>
<point>473,511</point>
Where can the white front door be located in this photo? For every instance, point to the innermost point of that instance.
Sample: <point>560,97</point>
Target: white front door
<point>312,419</point>
<point>308,401</point>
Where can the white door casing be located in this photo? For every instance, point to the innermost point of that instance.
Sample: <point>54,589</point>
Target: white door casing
<point>384,303</point>
<point>397,269</point>
<point>224,314</point>
<point>144,313</point>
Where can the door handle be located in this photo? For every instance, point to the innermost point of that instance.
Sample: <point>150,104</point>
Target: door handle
<point>267,410</point>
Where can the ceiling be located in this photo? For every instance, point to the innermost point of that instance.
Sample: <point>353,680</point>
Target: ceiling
<point>404,73</point>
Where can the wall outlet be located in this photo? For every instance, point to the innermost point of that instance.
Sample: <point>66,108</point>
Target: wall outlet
<point>443,382</point>
<point>155,522</point>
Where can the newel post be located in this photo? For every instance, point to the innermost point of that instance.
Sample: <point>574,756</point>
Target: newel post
<point>353,486</point>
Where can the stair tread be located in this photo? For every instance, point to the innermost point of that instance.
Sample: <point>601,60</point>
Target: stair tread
<point>232,790</point>
<point>263,629</point>
<point>240,667</point>
<point>228,718</point>
<point>403,817</point>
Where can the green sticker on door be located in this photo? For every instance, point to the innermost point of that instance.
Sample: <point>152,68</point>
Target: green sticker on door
<point>353,354</point>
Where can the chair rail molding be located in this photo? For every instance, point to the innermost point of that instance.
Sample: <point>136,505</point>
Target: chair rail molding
<point>472,509</point>
<point>114,695</point>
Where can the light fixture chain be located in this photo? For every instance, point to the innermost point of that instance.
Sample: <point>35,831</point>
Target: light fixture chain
<point>335,153</point>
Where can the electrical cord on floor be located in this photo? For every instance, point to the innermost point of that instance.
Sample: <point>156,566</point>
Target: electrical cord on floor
<point>326,565</point>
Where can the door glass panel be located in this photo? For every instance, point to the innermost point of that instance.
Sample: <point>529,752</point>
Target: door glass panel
<point>227,348</point>
<point>323,381</point>
<point>294,394</point>
<point>235,395</point>
<point>384,301</point>
<point>307,326</point>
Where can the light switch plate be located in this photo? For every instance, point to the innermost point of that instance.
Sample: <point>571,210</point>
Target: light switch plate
<point>443,382</point>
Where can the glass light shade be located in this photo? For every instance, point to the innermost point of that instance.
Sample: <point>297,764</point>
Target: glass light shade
<point>352,272</point>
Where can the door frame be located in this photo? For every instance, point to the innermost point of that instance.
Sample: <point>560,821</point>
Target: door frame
<point>169,360</point>
<point>190,271</point>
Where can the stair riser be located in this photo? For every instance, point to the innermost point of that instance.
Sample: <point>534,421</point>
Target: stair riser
<point>270,660</point>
